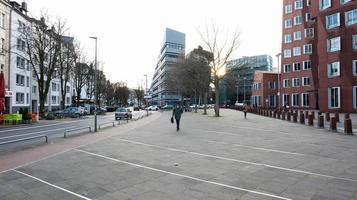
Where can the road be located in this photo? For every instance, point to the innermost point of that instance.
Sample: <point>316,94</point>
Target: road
<point>55,129</point>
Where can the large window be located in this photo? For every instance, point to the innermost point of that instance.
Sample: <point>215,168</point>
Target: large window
<point>354,67</point>
<point>297,20</point>
<point>324,4</point>
<point>287,53</point>
<point>54,87</point>
<point>54,99</point>
<point>297,66</point>
<point>20,80</point>
<point>288,23</point>
<point>306,81</point>
<point>334,97</point>
<point>295,100</point>
<point>20,98</point>
<point>287,38</point>
<point>307,65</point>
<point>334,44</point>
<point>333,21</point>
<point>286,101</point>
<point>305,100</point>
<point>297,51</point>
<point>297,35</point>
<point>308,49</point>
<point>354,42</point>
<point>287,68</point>
<point>296,82</point>
<point>333,69</point>
<point>309,33</point>
<point>351,17</point>
<point>288,9</point>
<point>272,100</point>
<point>286,83</point>
<point>298,4</point>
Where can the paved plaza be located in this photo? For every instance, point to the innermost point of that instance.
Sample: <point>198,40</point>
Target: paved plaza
<point>226,158</point>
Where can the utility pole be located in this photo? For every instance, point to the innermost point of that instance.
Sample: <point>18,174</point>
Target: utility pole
<point>279,99</point>
<point>95,85</point>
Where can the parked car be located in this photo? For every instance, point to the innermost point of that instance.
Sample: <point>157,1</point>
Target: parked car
<point>136,108</point>
<point>152,108</point>
<point>123,113</point>
<point>168,107</point>
<point>74,112</point>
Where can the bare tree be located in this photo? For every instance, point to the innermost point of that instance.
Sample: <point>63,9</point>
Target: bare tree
<point>121,93</point>
<point>139,95</point>
<point>43,49</point>
<point>221,49</point>
<point>81,71</point>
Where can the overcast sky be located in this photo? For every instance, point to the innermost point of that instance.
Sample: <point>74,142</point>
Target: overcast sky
<point>130,33</point>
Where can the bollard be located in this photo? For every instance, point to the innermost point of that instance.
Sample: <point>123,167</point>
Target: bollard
<point>283,115</point>
<point>288,116</point>
<point>327,116</point>
<point>302,118</point>
<point>321,121</point>
<point>295,116</point>
<point>348,127</point>
<point>347,116</point>
<point>306,113</point>
<point>274,114</point>
<point>278,117</point>
<point>311,120</point>
<point>333,125</point>
<point>337,117</point>
<point>313,115</point>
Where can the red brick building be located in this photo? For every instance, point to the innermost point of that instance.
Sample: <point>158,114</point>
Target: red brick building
<point>265,89</point>
<point>319,55</point>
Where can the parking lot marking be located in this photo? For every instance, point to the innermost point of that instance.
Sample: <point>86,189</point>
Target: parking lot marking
<point>236,160</point>
<point>183,176</point>
<point>52,185</point>
<point>27,134</point>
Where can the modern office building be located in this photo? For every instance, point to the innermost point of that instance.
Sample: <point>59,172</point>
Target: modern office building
<point>319,67</point>
<point>172,48</point>
<point>243,70</point>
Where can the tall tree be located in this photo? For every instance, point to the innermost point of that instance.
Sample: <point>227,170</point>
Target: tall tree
<point>81,71</point>
<point>43,49</point>
<point>139,95</point>
<point>221,49</point>
<point>121,93</point>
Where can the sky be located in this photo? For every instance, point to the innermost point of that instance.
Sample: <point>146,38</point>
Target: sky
<point>130,33</point>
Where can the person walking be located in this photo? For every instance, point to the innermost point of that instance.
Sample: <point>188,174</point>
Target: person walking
<point>245,110</point>
<point>177,113</point>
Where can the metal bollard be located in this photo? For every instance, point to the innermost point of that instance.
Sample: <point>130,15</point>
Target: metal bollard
<point>283,115</point>
<point>337,117</point>
<point>278,115</point>
<point>288,116</point>
<point>347,116</point>
<point>302,118</point>
<point>313,115</point>
<point>295,116</point>
<point>327,116</point>
<point>274,114</point>
<point>321,121</point>
<point>348,127</point>
<point>306,113</point>
<point>333,125</point>
<point>311,120</point>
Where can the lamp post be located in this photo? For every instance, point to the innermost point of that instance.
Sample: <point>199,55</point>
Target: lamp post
<point>95,85</point>
<point>279,99</point>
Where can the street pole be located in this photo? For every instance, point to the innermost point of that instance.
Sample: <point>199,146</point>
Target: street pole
<point>244,89</point>
<point>95,85</point>
<point>279,99</point>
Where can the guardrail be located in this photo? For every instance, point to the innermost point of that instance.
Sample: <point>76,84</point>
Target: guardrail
<point>25,139</point>
<point>106,124</point>
<point>76,129</point>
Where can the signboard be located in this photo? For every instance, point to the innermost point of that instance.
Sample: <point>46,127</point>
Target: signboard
<point>8,94</point>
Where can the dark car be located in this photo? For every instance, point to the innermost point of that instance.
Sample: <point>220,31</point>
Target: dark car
<point>123,113</point>
<point>74,112</point>
<point>136,108</point>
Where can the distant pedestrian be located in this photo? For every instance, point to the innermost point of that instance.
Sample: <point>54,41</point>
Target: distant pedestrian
<point>245,110</point>
<point>177,113</point>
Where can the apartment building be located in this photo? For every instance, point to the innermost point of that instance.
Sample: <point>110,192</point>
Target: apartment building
<point>4,45</point>
<point>265,89</point>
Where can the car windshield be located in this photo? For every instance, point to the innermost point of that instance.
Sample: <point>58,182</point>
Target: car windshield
<point>121,110</point>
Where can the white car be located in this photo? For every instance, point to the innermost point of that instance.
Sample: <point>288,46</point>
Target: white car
<point>152,108</point>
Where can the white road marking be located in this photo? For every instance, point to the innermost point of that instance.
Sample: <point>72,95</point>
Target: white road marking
<point>236,160</point>
<point>27,134</point>
<point>184,176</point>
<point>52,185</point>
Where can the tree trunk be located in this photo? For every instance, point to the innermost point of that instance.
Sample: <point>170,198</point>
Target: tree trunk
<point>42,105</point>
<point>205,103</point>
<point>195,102</point>
<point>78,97</point>
<point>216,107</point>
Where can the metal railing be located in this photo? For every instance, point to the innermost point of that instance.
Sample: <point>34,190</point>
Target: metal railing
<point>101,125</point>
<point>25,139</point>
<point>76,129</point>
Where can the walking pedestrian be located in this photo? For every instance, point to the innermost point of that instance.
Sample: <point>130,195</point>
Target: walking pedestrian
<point>177,113</point>
<point>245,110</point>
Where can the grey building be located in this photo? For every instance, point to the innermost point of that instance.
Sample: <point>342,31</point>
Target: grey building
<point>172,48</point>
<point>242,72</point>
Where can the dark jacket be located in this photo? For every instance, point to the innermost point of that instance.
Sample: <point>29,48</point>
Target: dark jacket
<point>177,112</point>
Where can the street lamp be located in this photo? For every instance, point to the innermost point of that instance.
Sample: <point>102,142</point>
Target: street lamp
<point>278,57</point>
<point>95,85</point>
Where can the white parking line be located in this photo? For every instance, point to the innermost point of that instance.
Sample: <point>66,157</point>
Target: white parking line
<point>52,185</point>
<point>236,160</point>
<point>184,176</point>
<point>27,134</point>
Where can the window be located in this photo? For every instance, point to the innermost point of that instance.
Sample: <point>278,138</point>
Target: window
<point>27,81</point>
<point>68,100</point>
<point>54,99</point>
<point>297,51</point>
<point>298,5</point>
<point>297,35</point>
<point>18,62</point>
<point>28,65</point>
<point>354,42</point>
<point>286,101</point>
<point>54,87</point>
<point>355,97</point>
<point>68,89</point>
<point>288,9</point>
<point>308,2</point>
<point>34,89</point>
<point>324,4</point>
<point>354,67</point>
<point>297,20</point>
<point>308,49</point>
<point>20,97</point>
<point>272,85</point>
<point>287,68</point>
<point>2,45</point>
<point>307,64</point>
<point>309,33</point>
<point>20,80</point>
<point>334,44</point>
<point>345,1</point>
<point>305,100</point>
<point>288,23</point>
<point>286,83</point>
<point>297,67</point>
<point>308,17</point>
<point>295,100</point>
<point>287,38</point>
<point>351,17</point>
<point>296,82</point>
<point>334,97</point>
<point>333,69</point>
<point>287,53</point>
<point>272,100</point>
<point>333,21</point>
<point>306,81</point>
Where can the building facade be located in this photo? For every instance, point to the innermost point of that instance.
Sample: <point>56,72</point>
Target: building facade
<point>318,55</point>
<point>265,89</point>
<point>4,51</point>
<point>172,49</point>
<point>242,70</point>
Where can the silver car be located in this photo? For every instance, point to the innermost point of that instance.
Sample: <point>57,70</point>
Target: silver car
<point>123,113</point>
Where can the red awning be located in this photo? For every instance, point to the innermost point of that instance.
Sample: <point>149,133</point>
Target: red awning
<point>2,92</point>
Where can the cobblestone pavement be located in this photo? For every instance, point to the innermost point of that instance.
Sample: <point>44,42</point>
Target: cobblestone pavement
<point>210,158</point>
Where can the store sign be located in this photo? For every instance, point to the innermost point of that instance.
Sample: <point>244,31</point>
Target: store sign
<point>8,94</point>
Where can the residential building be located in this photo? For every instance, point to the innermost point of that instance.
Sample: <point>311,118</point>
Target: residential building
<point>323,75</point>
<point>242,70</point>
<point>172,49</point>
<point>265,89</point>
<point>4,49</point>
